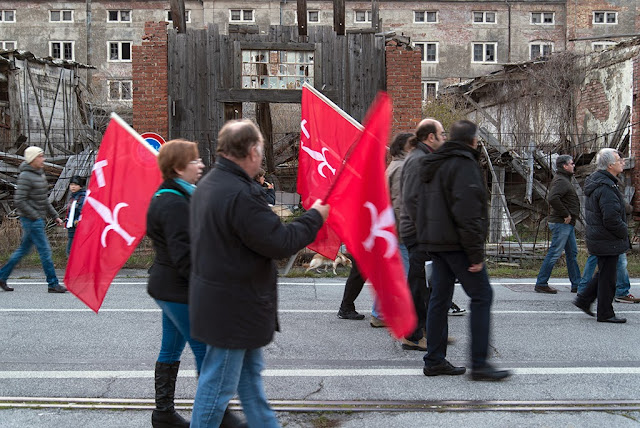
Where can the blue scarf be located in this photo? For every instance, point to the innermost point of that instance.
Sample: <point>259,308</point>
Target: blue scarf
<point>188,187</point>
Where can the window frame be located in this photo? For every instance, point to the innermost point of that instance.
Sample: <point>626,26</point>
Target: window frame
<point>605,14</point>
<point>3,12</point>
<point>484,17</point>
<point>309,12</point>
<point>604,43</point>
<point>62,43</point>
<point>4,42</point>
<point>542,14</point>
<point>61,12</point>
<point>119,82</point>
<point>168,12</point>
<point>426,16</point>
<point>368,13</point>
<point>541,44</point>
<point>423,59</point>
<point>484,52</point>
<point>424,87</point>
<point>242,20</point>
<point>119,42</point>
<point>119,11</point>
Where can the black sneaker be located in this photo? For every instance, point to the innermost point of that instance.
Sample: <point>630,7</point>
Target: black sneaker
<point>489,373</point>
<point>5,287</point>
<point>456,311</point>
<point>57,289</point>
<point>444,368</point>
<point>350,315</point>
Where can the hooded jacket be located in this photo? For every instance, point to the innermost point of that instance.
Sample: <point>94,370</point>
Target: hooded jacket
<point>32,194</point>
<point>452,207</point>
<point>607,233</point>
<point>563,198</point>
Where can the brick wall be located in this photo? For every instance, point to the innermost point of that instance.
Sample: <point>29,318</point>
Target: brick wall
<point>634,151</point>
<point>150,81</point>
<point>404,86</point>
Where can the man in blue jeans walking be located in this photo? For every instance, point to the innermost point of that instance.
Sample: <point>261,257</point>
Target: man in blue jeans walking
<point>33,206</point>
<point>565,210</point>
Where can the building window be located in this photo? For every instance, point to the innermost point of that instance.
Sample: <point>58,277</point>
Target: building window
<point>602,45</point>
<point>61,50</point>
<point>362,16</point>
<point>241,15</point>
<point>540,50</point>
<point>60,16</point>
<point>119,16</point>
<point>605,17</point>
<point>120,90</point>
<point>313,16</point>
<point>119,51</point>
<point>7,16</point>
<point>186,12</point>
<point>429,51</point>
<point>420,16</point>
<point>545,18</point>
<point>276,69</point>
<point>484,52</point>
<point>8,46</point>
<point>484,17</point>
<point>429,91</point>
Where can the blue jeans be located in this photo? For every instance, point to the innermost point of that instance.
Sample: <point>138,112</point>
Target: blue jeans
<point>447,266</point>
<point>404,253</point>
<point>32,234</point>
<point>563,238</point>
<point>623,285</point>
<point>225,371</point>
<point>176,332</point>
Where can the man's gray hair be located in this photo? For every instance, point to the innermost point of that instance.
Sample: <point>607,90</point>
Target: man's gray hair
<point>606,157</point>
<point>562,160</point>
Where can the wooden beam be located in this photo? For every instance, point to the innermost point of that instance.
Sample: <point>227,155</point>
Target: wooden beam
<point>482,111</point>
<point>178,15</point>
<point>264,95</point>
<point>263,118</point>
<point>277,46</point>
<point>302,17</point>
<point>339,17</point>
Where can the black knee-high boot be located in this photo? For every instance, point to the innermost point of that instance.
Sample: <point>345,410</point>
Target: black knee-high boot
<point>165,415</point>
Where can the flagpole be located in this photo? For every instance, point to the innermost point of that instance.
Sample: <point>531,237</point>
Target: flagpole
<point>132,131</point>
<point>334,106</point>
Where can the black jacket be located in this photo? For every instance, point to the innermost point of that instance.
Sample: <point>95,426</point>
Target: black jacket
<point>607,233</point>
<point>234,238</point>
<point>168,228</point>
<point>563,198</point>
<point>410,188</point>
<point>452,206</point>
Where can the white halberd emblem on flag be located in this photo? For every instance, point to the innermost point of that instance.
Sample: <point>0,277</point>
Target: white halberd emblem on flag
<point>378,225</point>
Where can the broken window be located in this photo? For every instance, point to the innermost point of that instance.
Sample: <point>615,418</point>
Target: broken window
<point>273,69</point>
<point>119,16</point>
<point>429,51</point>
<point>8,46</point>
<point>540,50</point>
<point>120,90</point>
<point>484,17</point>
<point>484,52</point>
<point>547,18</point>
<point>241,15</point>
<point>119,51</point>
<point>429,91</point>
<point>60,16</point>
<point>61,50</point>
<point>605,17</point>
<point>602,45</point>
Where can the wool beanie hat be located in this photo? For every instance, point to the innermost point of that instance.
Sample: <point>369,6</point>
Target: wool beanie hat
<point>76,179</point>
<point>31,153</point>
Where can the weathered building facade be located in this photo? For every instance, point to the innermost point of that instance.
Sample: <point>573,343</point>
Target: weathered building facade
<point>458,39</point>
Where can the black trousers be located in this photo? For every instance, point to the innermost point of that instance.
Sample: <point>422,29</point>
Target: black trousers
<point>418,285</point>
<point>352,289</point>
<point>602,286</point>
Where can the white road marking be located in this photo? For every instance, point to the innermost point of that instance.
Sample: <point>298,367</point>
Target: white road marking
<point>149,374</point>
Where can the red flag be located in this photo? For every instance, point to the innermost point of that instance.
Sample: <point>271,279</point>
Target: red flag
<point>363,218</point>
<point>326,134</point>
<point>123,180</point>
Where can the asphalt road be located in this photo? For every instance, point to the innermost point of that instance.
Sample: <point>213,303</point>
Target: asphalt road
<point>54,350</point>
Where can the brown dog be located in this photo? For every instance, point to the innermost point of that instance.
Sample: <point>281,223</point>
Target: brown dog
<point>319,260</point>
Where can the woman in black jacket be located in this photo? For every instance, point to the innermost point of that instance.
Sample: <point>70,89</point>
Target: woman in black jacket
<point>168,228</point>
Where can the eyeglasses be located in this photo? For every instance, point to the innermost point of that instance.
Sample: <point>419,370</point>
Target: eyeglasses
<point>196,162</point>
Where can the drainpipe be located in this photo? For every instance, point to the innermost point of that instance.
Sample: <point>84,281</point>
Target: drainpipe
<point>508,32</point>
<point>89,47</point>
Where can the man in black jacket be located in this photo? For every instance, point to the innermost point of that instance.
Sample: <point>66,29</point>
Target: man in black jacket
<point>453,230</point>
<point>565,210</point>
<point>607,234</point>
<point>233,288</point>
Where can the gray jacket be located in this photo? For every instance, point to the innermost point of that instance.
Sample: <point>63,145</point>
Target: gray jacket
<point>410,187</point>
<point>32,193</point>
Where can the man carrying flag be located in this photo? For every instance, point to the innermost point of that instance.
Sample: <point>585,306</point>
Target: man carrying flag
<point>123,180</point>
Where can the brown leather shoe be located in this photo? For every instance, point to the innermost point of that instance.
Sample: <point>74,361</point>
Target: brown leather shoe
<point>545,289</point>
<point>5,287</point>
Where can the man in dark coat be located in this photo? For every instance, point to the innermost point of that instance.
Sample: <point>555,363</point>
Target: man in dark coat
<point>565,210</point>
<point>453,230</point>
<point>607,234</point>
<point>233,297</point>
